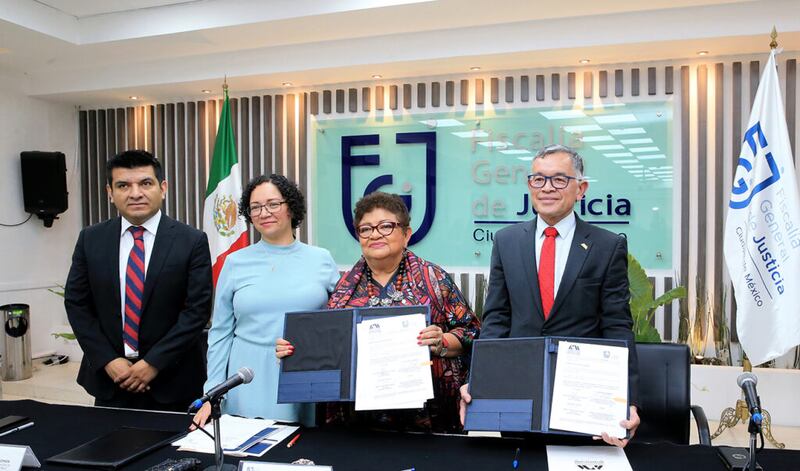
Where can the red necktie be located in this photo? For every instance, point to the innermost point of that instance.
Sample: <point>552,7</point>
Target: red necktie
<point>547,269</point>
<point>134,289</point>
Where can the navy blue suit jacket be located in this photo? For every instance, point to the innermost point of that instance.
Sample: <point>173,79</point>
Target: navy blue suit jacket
<point>176,306</point>
<point>593,296</point>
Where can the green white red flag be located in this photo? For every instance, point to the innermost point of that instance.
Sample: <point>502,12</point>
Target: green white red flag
<point>226,231</point>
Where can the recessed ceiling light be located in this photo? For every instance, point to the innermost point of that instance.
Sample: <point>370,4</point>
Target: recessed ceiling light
<point>473,68</point>
<point>702,53</point>
<point>377,76</point>
<point>287,84</point>
<point>133,97</point>
<point>584,61</point>
<point>205,90</point>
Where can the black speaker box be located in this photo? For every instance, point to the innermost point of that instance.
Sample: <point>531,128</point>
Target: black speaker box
<point>44,183</point>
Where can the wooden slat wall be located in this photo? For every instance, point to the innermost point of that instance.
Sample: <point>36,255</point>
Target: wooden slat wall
<point>711,106</point>
<point>181,135</point>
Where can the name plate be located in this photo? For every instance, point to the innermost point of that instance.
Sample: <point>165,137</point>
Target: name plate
<point>14,457</point>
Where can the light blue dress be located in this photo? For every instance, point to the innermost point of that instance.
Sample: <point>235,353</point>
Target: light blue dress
<point>257,285</point>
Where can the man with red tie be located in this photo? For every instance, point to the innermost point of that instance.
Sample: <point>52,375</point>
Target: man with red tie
<point>557,275</point>
<point>139,294</point>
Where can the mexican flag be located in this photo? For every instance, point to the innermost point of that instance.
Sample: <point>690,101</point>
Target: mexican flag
<point>226,231</point>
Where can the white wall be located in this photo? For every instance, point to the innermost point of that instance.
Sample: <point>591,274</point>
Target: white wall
<point>34,257</point>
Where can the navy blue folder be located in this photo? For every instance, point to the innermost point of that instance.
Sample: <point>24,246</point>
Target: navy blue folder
<point>511,383</point>
<point>323,366</point>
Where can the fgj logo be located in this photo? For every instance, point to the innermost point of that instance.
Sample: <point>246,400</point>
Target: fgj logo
<point>743,188</point>
<point>349,161</point>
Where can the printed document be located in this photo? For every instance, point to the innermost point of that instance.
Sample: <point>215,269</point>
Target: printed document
<point>392,371</point>
<point>580,458</point>
<point>590,391</point>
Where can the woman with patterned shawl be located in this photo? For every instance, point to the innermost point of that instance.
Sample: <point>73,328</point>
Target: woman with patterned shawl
<point>388,274</point>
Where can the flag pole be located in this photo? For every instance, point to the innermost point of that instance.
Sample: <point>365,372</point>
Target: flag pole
<point>774,36</point>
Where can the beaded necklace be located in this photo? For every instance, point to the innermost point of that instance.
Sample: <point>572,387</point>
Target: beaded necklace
<point>394,295</point>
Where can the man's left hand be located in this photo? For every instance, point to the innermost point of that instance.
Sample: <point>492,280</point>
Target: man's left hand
<point>141,374</point>
<point>631,425</point>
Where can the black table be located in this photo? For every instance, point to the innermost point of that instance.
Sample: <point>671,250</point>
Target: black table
<point>58,428</point>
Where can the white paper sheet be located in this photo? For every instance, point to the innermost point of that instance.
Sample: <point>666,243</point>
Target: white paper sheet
<point>265,466</point>
<point>393,372</point>
<point>581,458</point>
<point>238,434</point>
<point>590,391</point>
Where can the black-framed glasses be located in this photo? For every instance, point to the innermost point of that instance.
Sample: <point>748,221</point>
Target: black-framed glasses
<point>559,182</point>
<point>271,207</point>
<point>384,228</point>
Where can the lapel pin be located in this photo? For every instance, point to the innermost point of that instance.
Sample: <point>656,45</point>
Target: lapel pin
<point>585,247</point>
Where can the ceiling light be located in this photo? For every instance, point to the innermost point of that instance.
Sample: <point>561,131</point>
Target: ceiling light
<point>474,68</point>
<point>584,61</point>
<point>377,76</point>
<point>702,53</point>
<point>287,84</point>
<point>205,90</point>
<point>133,97</point>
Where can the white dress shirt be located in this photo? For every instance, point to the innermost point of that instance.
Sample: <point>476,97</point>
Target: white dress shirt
<point>125,245</point>
<point>566,229</point>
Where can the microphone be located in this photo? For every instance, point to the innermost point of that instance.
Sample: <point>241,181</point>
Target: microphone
<point>243,376</point>
<point>748,381</point>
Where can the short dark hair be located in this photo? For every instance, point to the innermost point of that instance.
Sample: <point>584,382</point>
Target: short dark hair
<point>380,200</point>
<point>294,198</point>
<point>133,159</point>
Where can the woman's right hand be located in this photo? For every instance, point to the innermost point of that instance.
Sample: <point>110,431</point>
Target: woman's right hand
<point>201,417</point>
<point>283,348</point>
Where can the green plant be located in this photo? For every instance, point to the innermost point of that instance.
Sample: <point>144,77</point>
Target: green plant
<point>61,335</point>
<point>643,305</point>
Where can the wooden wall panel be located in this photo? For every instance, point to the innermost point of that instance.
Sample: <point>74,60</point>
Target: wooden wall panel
<point>272,136</point>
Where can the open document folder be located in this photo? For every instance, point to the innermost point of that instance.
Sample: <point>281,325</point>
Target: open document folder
<point>514,383</point>
<point>240,437</point>
<point>324,363</point>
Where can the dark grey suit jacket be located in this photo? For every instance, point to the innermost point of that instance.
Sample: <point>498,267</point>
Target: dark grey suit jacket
<point>176,305</point>
<point>592,299</point>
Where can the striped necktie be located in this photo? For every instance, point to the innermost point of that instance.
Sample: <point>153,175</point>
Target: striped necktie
<point>134,289</point>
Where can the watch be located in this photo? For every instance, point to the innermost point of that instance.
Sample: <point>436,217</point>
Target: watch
<point>443,349</point>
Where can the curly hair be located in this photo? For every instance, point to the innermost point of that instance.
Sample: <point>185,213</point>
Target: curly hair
<point>380,200</point>
<point>294,198</point>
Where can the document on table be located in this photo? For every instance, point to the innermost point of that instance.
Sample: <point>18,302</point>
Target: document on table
<point>265,466</point>
<point>392,371</point>
<point>579,458</point>
<point>240,437</point>
<point>590,391</point>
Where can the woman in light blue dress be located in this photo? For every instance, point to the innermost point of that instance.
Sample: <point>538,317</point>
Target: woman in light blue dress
<point>257,285</point>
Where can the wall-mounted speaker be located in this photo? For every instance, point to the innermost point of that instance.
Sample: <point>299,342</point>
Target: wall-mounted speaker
<point>44,184</point>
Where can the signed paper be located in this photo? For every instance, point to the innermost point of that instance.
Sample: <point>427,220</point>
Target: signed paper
<point>393,372</point>
<point>590,391</point>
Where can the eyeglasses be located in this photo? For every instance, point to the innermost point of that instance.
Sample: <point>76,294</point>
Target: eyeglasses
<point>272,207</point>
<point>384,228</point>
<point>559,182</point>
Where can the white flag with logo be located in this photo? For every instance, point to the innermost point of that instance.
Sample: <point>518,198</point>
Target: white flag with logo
<point>762,230</point>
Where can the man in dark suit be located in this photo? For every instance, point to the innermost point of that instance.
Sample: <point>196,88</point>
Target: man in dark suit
<point>557,275</point>
<point>138,296</point>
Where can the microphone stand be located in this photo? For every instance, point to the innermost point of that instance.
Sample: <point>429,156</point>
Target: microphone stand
<point>219,456</point>
<point>754,428</point>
